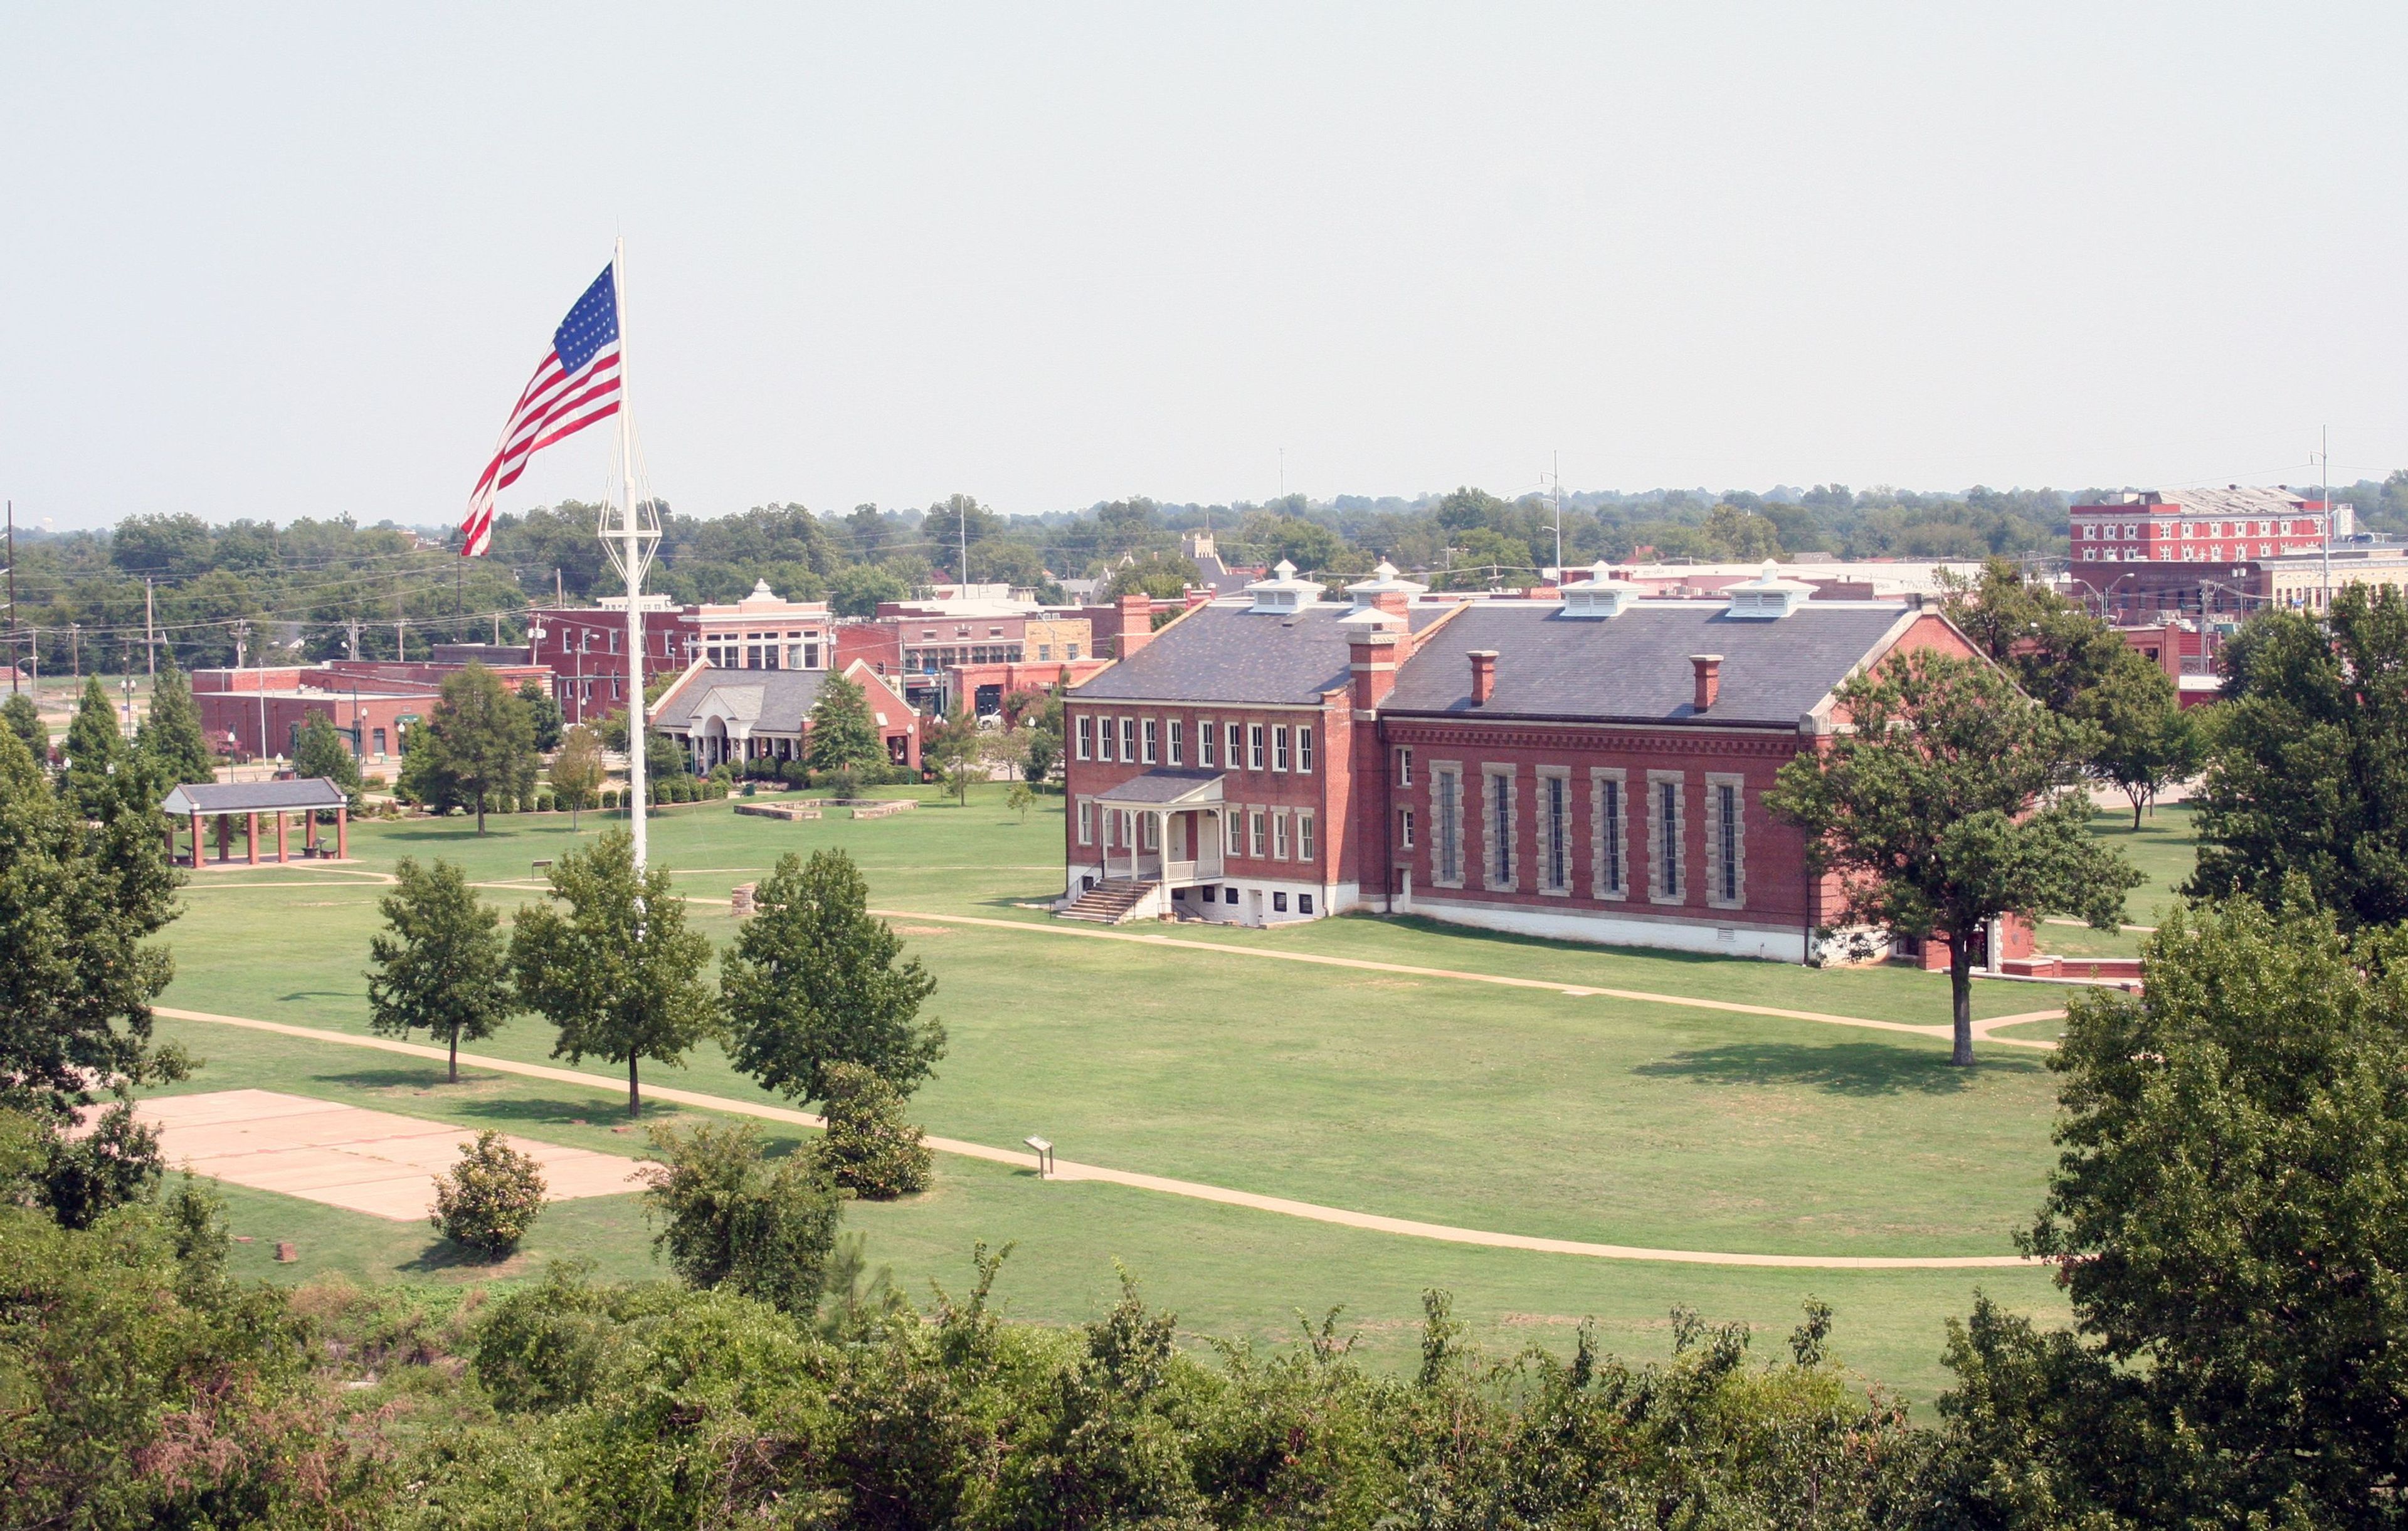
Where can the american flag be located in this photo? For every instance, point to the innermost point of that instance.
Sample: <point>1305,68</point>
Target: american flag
<point>577,385</point>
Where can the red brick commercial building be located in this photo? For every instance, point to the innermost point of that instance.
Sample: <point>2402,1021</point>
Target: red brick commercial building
<point>584,650</point>
<point>1590,767</point>
<point>256,713</point>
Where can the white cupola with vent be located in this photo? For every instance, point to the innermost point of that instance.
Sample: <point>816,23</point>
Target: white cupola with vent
<point>1601,595</point>
<point>1768,597</point>
<point>1385,581</point>
<point>1284,591</point>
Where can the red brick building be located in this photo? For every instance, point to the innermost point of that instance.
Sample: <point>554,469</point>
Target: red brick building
<point>255,713</point>
<point>1591,768</point>
<point>584,648</point>
<point>721,714</point>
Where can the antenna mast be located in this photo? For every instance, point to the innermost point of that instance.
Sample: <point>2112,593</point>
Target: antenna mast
<point>2324,491</point>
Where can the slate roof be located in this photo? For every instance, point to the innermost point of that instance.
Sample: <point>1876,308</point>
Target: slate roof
<point>1166,785</point>
<point>777,700</point>
<point>313,791</point>
<point>1635,667</point>
<point>1235,654</point>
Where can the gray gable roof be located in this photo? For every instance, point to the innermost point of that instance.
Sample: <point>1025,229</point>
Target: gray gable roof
<point>311,792</point>
<point>1635,667</point>
<point>1232,653</point>
<point>777,701</point>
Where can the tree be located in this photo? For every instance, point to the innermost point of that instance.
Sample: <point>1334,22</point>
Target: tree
<point>731,1216</point>
<point>325,751</point>
<point>1019,800</point>
<point>544,710</point>
<point>425,777</point>
<point>1925,809</point>
<point>489,1200</point>
<point>619,974</point>
<point>843,736</point>
<point>94,748</point>
<point>812,980</point>
<point>171,734</point>
<point>2307,775</point>
<point>949,747</point>
<point>1162,576</point>
<point>440,963</point>
<point>1044,754</point>
<point>2147,742</point>
<point>1742,536</point>
<point>24,720</point>
<point>577,770</point>
<point>483,737</point>
<point>857,590</point>
<point>869,1150</point>
<point>2225,1217</point>
<point>2052,647</point>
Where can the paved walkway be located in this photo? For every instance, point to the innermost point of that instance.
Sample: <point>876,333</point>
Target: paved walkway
<point>1067,1170</point>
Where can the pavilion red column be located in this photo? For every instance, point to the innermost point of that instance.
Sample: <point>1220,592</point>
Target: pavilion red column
<point>280,856</point>
<point>342,834</point>
<point>225,838</point>
<point>250,833</point>
<point>196,840</point>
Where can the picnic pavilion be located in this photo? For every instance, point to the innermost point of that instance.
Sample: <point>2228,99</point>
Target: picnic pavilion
<point>226,801</point>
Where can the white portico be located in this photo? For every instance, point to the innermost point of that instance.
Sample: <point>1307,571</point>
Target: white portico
<point>1163,827</point>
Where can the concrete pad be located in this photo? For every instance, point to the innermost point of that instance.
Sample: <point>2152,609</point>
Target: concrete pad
<point>348,1156</point>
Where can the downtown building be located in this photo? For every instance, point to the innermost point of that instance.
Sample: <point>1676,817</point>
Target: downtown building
<point>1589,766</point>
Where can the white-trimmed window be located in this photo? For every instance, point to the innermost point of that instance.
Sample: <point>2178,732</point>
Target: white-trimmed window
<point>1663,827</point>
<point>1254,747</point>
<point>1554,830</point>
<point>1404,766</point>
<point>1233,832</point>
<point>1260,830</point>
<point>1447,825</point>
<point>1303,751</point>
<point>1231,736</point>
<point>1206,737</point>
<point>1726,841</point>
<point>1405,829</point>
<point>1177,728</point>
<point>1608,834</point>
<point>1128,740</point>
<point>1146,837</point>
<point>1497,826</point>
<point>1279,836</point>
<point>1153,740</point>
<point>1279,747</point>
<point>1086,821</point>
<point>1303,837</point>
<point>1087,737</point>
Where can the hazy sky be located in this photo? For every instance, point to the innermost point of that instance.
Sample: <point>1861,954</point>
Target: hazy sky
<point>295,261</point>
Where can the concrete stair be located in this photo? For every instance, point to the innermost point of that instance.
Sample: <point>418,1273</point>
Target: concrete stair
<point>1108,903</point>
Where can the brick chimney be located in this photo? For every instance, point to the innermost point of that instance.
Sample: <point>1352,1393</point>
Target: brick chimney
<point>1484,676</point>
<point>1396,603</point>
<point>1136,624</point>
<point>1371,661</point>
<point>1709,668</point>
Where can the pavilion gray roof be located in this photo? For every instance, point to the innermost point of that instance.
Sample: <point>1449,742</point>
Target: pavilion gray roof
<point>1635,667</point>
<point>1233,653</point>
<point>1164,786</point>
<point>775,700</point>
<point>313,791</point>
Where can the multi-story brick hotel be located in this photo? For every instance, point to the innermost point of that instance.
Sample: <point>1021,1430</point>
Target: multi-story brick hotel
<point>1591,765</point>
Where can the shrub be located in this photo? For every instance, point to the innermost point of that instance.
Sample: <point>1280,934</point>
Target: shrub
<point>490,1198</point>
<point>870,1148</point>
<point>730,1217</point>
<point>610,798</point>
<point>842,784</point>
<point>545,802</point>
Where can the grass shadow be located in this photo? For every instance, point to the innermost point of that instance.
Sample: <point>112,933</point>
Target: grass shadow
<point>1860,1069</point>
<point>441,1256</point>
<point>398,1078</point>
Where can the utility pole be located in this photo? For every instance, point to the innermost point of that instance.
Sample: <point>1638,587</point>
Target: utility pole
<point>355,640</point>
<point>400,650</point>
<point>2324,491</point>
<point>75,652</point>
<point>1558,477</point>
<point>14,662</point>
<point>150,639</point>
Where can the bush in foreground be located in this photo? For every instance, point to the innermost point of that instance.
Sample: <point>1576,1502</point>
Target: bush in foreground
<point>489,1200</point>
<point>869,1150</point>
<point>732,1217</point>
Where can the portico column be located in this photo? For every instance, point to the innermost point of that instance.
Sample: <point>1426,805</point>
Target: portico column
<point>343,833</point>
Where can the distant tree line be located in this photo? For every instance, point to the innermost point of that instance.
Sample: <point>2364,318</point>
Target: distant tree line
<point>296,591</point>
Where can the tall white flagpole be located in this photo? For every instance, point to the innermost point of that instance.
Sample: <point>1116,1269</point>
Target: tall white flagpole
<point>630,529</point>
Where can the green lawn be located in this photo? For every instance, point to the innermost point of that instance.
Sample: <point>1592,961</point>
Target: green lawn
<point>1516,1109</point>
<point>2165,848</point>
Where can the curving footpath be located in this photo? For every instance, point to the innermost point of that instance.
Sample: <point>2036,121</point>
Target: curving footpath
<point>1065,1169</point>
